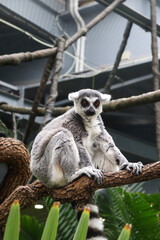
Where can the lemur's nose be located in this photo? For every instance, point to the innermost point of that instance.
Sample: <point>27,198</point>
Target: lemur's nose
<point>90,112</point>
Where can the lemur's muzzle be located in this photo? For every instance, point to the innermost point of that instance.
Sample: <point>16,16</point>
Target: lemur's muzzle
<point>90,112</point>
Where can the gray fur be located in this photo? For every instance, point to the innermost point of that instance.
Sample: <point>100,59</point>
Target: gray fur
<point>77,143</point>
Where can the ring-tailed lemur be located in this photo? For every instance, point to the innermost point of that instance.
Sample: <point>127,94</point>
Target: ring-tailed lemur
<point>77,143</point>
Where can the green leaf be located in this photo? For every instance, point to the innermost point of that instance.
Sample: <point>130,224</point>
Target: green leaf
<point>118,206</point>
<point>81,231</point>
<point>125,233</point>
<point>50,229</point>
<point>31,229</point>
<point>67,220</point>
<point>13,222</point>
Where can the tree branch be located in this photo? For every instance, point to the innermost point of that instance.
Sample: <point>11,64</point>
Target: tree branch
<point>155,70</point>
<point>17,58</point>
<point>26,110</point>
<point>114,105</point>
<point>46,73</point>
<point>118,57</point>
<point>14,153</point>
<point>78,192</point>
<point>123,103</point>
<point>14,126</point>
<point>54,80</point>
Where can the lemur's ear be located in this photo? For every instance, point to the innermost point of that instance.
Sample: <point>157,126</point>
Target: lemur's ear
<point>105,97</point>
<point>73,96</point>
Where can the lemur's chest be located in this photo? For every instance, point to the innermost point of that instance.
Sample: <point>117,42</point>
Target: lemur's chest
<point>93,130</point>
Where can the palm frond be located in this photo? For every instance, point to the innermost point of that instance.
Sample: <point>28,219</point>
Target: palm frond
<point>118,207</point>
<point>30,228</point>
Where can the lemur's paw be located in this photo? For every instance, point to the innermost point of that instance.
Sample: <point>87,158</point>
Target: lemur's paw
<point>136,168</point>
<point>98,176</point>
<point>93,172</point>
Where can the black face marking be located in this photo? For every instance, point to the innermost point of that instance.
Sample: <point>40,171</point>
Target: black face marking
<point>90,112</point>
<point>97,103</point>
<point>117,161</point>
<point>84,103</point>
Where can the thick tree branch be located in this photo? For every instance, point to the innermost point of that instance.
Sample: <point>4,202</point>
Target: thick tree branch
<point>79,191</point>
<point>46,73</point>
<point>123,103</point>
<point>17,58</point>
<point>14,153</point>
<point>155,70</point>
<point>54,80</point>
<point>26,110</point>
<point>118,57</point>
<point>114,105</point>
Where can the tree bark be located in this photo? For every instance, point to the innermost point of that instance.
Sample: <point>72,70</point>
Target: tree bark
<point>17,58</point>
<point>14,125</point>
<point>114,105</point>
<point>54,80</point>
<point>123,103</point>
<point>14,153</point>
<point>46,73</point>
<point>118,58</point>
<point>155,70</point>
<point>79,192</point>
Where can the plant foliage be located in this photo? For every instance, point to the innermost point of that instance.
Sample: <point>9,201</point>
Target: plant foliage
<point>118,206</point>
<point>67,220</point>
<point>13,222</point>
<point>30,228</point>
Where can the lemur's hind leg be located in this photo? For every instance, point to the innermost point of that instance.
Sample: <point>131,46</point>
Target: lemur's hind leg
<point>64,159</point>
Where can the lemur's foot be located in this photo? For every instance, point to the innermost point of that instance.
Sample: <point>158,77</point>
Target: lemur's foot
<point>136,168</point>
<point>93,172</point>
<point>90,172</point>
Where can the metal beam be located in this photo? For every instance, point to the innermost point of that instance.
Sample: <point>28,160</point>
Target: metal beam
<point>14,18</point>
<point>132,15</point>
<point>8,86</point>
<point>132,81</point>
<point>15,100</point>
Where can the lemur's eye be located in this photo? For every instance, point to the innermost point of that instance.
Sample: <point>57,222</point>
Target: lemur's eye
<point>97,103</point>
<point>84,103</point>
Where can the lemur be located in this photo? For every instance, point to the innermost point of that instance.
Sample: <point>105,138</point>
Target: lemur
<point>77,143</point>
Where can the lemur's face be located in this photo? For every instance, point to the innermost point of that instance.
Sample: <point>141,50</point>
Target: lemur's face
<point>89,106</point>
<point>88,103</point>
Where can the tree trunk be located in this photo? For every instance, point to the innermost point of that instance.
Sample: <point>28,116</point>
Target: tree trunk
<point>155,70</point>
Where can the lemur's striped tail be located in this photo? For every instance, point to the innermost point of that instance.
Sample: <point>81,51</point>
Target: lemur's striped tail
<point>95,226</point>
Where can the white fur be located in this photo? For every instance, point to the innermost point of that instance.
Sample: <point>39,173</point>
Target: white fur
<point>96,223</point>
<point>93,130</point>
<point>105,97</point>
<point>73,96</point>
<point>93,208</point>
<point>77,143</point>
<point>64,150</point>
<point>57,176</point>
